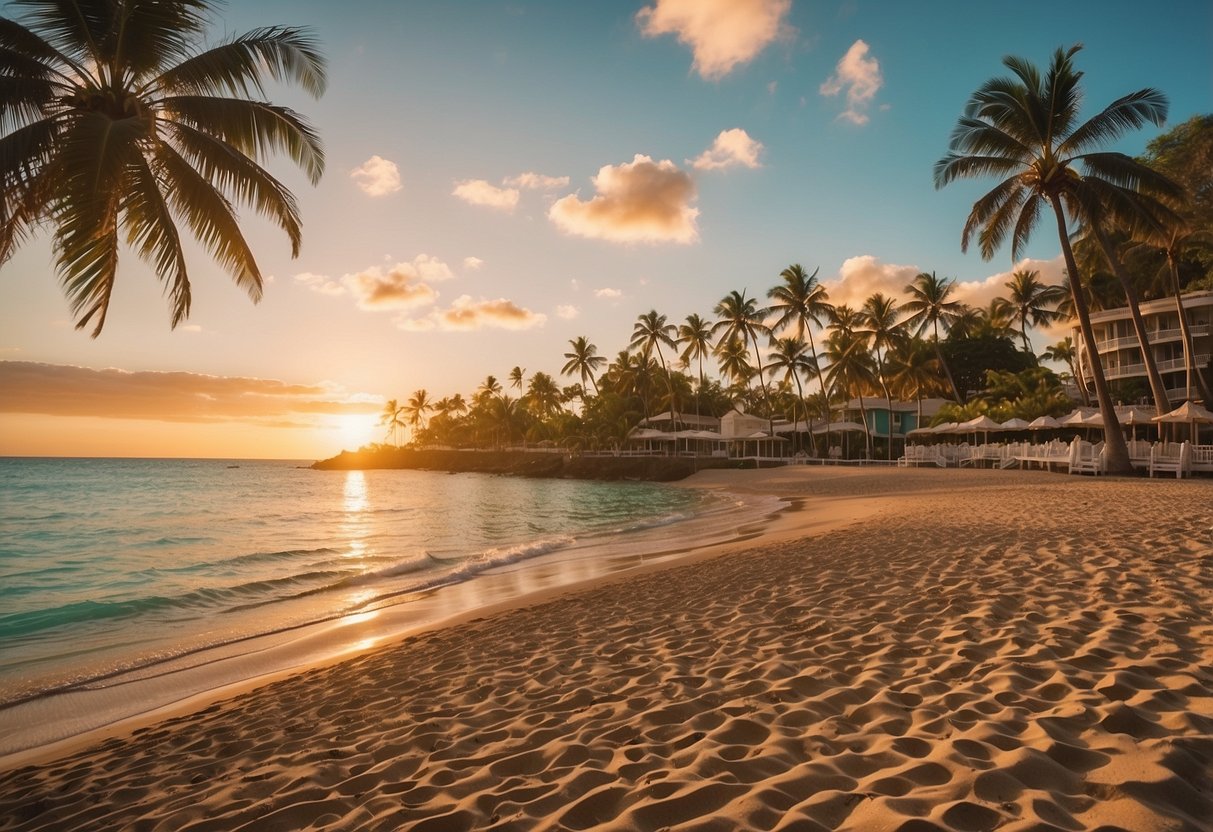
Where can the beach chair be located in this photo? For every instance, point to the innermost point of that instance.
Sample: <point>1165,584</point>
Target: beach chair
<point>1171,457</point>
<point>1086,458</point>
<point>1202,459</point>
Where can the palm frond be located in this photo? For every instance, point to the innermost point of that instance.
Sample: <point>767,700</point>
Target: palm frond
<point>1126,172</point>
<point>149,35</point>
<point>240,178</point>
<point>978,137</point>
<point>23,100</point>
<point>1130,112</point>
<point>996,225</point>
<point>210,217</point>
<point>993,202</point>
<point>957,166</point>
<point>237,68</point>
<point>1061,95</point>
<point>150,230</point>
<point>1028,215</point>
<point>76,28</point>
<point>255,128</point>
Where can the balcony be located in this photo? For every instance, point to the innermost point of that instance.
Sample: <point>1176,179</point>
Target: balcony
<point>1131,370</point>
<point>1158,336</point>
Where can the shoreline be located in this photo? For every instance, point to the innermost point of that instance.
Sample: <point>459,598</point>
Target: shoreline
<point>1016,649</point>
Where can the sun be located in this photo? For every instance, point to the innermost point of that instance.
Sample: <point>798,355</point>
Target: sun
<point>355,430</point>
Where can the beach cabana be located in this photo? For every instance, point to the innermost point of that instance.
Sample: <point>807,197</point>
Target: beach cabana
<point>1188,413</point>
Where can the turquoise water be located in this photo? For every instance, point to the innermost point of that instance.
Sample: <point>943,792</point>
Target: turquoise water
<point>109,565</point>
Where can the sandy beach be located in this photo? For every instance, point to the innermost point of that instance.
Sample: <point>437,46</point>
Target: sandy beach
<point>901,650</point>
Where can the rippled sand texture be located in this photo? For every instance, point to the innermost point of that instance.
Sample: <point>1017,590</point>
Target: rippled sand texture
<point>1030,652</point>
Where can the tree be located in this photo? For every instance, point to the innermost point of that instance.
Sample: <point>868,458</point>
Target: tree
<point>392,418</point>
<point>880,315</point>
<point>929,305</point>
<point>914,371</point>
<point>648,333</point>
<point>852,370</point>
<point>1030,302</point>
<point>119,126</point>
<point>1026,128</point>
<point>583,360</point>
<point>791,356</point>
<point>742,319</point>
<point>418,405</point>
<point>734,362</point>
<point>518,377</point>
<point>802,302</point>
<point>695,337</point>
<point>543,397</point>
<point>1063,351</point>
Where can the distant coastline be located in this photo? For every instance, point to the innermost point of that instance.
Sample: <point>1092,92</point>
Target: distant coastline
<point>525,464</point>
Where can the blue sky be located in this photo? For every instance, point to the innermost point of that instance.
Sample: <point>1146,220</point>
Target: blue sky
<point>470,96</point>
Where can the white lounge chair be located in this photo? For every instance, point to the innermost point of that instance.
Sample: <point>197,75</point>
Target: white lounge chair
<point>1086,458</point>
<point>1171,457</point>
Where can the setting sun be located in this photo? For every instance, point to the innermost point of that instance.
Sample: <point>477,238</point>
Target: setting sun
<point>353,430</point>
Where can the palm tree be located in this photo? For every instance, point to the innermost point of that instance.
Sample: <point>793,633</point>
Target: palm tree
<point>1027,129</point>
<point>741,318</point>
<point>695,335</point>
<point>517,377</point>
<point>418,405</point>
<point>583,360</point>
<point>880,315</point>
<point>1064,352</point>
<point>929,305</point>
<point>852,370</point>
<point>803,302</point>
<point>791,356</point>
<point>120,127</point>
<point>392,418</point>
<point>648,333</point>
<point>1031,303</point>
<point>734,362</point>
<point>543,396</point>
<point>489,388</point>
<point>914,370</point>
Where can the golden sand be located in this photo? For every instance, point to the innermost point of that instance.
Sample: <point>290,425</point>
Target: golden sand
<point>908,650</point>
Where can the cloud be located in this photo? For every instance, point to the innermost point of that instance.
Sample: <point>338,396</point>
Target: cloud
<point>608,293</point>
<point>480,192</point>
<point>320,283</point>
<point>567,311</point>
<point>377,176</point>
<point>637,201</point>
<point>402,286</point>
<point>860,76</point>
<point>64,390</point>
<point>471,264</point>
<point>722,34</point>
<point>466,314</point>
<point>536,181</point>
<point>732,148</point>
<point>190,328</point>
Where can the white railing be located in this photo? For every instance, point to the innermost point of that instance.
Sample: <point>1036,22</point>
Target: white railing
<point>1163,367</point>
<point>1158,336</point>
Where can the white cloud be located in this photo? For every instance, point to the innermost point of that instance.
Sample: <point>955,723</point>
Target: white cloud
<point>567,311</point>
<point>480,192</point>
<point>320,283</point>
<point>377,176</point>
<point>466,314</point>
<point>536,181</point>
<point>608,293</point>
<point>732,148</point>
<point>860,76</point>
<point>722,34</point>
<point>637,201</point>
<point>471,264</point>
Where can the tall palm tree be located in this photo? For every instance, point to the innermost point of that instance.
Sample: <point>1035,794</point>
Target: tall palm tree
<point>734,362</point>
<point>880,314</point>
<point>650,331</point>
<point>583,360</point>
<point>392,417</point>
<point>852,371</point>
<point>1027,128</point>
<point>695,336</point>
<point>914,371</point>
<point>517,377</point>
<point>929,305</point>
<point>741,318</point>
<point>1064,352</point>
<point>418,405</point>
<point>801,301</point>
<point>489,388</point>
<point>791,356</point>
<point>543,396</point>
<point>119,126</point>
<point>1030,302</point>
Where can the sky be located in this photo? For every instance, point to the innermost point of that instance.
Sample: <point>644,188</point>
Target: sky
<point>503,177</point>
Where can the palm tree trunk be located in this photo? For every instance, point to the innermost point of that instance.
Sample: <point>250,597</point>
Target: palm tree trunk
<point>1116,453</point>
<point>946,370</point>
<point>887,399</point>
<point>867,432</point>
<point>821,377</point>
<point>1081,381</point>
<point>765,397</point>
<point>1157,389</point>
<point>669,383</point>
<point>1193,373</point>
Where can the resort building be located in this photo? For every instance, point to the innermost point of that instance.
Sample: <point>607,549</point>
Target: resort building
<point>891,419</point>
<point>1120,352</point>
<point>681,421</point>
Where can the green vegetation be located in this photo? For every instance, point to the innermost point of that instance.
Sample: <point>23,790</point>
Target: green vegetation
<point>119,128</point>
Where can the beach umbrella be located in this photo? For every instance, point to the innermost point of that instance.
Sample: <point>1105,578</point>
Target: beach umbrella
<point>1015,424</point>
<point>982,424</point>
<point>1044,423</point>
<point>1077,418</point>
<point>1188,413</point>
<point>1135,416</point>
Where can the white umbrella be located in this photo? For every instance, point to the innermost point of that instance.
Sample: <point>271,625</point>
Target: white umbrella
<point>1015,424</point>
<point>946,427</point>
<point>1076,418</point>
<point>1044,423</point>
<point>1188,413</point>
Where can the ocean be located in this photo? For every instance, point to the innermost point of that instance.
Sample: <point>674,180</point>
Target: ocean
<point>129,584</point>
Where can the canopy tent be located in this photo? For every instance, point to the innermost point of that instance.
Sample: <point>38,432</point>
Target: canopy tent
<point>1044,423</point>
<point>1188,413</point>
<point>1077,418</point>
<point>1015,424</point>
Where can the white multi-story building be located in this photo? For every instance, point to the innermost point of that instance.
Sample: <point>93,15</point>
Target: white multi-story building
<point>1120,351</point>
